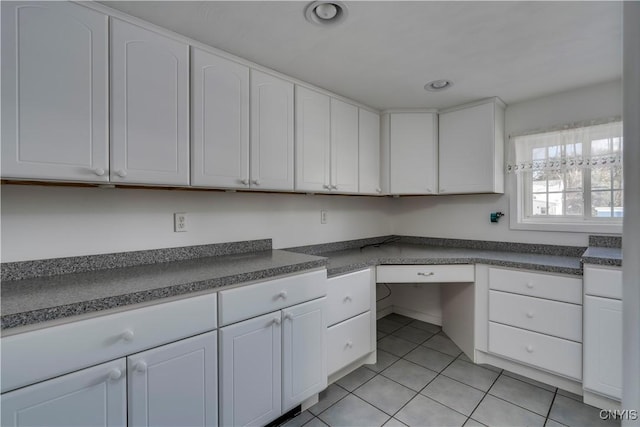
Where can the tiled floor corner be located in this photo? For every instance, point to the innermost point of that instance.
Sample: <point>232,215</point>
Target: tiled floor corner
<point>422,378</point>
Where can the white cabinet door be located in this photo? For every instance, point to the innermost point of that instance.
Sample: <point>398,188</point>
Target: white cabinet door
<point>220,146</point>
<point>250,371</point>
<point>471,149</point>
<point>369,153</point>
<point>344,147</point>
<point>313,136</point>
<point>304,354</point>
<point>54,92</point>
<point>413,153</point>
<point>603,346</point>
<point>175,384</point>
<point>271,132</point>
<point>95,396</point>
<point>149,107</point>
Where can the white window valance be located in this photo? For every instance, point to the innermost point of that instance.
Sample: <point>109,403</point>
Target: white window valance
<point>575,146</point>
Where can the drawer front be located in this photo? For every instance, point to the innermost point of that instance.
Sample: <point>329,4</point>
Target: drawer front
<point>348,296</point>
<point>38,355</point>
<point>260,298</point>
<point>559,288</point>
<point>550,353</point>
<point>539,315</point>
<point>603,282</point>
<point>425,273</point>
<point>348,341</point>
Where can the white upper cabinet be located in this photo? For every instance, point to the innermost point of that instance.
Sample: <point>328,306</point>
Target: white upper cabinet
<point>369,153</point>
<point>471,148</point>
<point>54,92</point>
<point>149,107</point>
<point>313,136</point>
<point>344,147</point>
<point>413,153</point>
<point>220,109</point>
<point>271,132</point>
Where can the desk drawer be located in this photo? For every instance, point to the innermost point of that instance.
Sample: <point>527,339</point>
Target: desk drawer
<point>348,295</point>
<point>425,273</point>
<point>559,288</point>
<point>603,282</point>
<point>550,353</point>
<point>253,300</point>
<point>348,341</point>
<point>38,355</point>
<point>559,319</point>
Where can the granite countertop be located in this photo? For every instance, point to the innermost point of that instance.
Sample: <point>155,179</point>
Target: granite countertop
<point>33,300</point>
<point>603,256</point>
<point>348,260</point>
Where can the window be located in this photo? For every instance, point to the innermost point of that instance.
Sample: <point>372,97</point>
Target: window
<point>569,179</point>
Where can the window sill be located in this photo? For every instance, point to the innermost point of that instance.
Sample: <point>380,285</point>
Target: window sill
<point>572,227</point>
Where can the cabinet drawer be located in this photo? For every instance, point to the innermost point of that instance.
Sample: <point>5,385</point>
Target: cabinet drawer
<point>253,300</point>
<point>559,288</point>
<point>38,355</point>
<point>550,353</point>
<point>348,295</point>
<point>348,341</point>
<point>603,282</point>
<point>535,314</point>
<point>425,273</point>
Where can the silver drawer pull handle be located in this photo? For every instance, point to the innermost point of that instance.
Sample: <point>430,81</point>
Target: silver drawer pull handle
<point>530,314</point>
<point>530,348</point>
<point>431,273</point>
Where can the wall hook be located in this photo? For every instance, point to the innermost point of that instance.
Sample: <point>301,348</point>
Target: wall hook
<point>495,216</point>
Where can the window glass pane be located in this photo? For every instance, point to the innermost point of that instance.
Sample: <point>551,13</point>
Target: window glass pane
<point>617,177</point>
<point>618,210</point>
<point>556,181</point>
<point>617,144</point>
<point>573,180</point>
<point>600,146</point>
<point>601,204</point>
<point>539,204</point>
<point>601,178</point>
<point>575,204</point>
<point>539,154</point>
<point>556,204</point>
<point>555,152</point>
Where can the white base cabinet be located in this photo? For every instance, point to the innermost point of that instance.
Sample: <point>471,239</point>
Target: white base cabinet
<point>603,331</point>
<point>176,384</point>
<point>95,396</point>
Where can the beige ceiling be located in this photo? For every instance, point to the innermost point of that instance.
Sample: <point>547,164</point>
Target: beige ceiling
<point>385,51</point>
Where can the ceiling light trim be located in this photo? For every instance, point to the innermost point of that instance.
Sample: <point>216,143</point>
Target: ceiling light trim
<point>438,85</point>
<point>326,12</point>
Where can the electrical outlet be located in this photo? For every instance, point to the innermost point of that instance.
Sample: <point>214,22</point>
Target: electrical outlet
<point>179,222</point>
<point>323,217</point>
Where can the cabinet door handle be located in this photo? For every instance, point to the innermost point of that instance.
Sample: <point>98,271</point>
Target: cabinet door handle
<point>99,171</point>
<point>256,182</point>
<point>140,366</point>
<point>283,295</point>
<point>530,314</point>
<point>326,187</point>
<point>429,190</point>
<point>276,321</point>
<point>431,273</point>
<point>127,335</point>
<point>245,182</point>
<point>347,298</point>
<point>529,285</point>
<point>334,187</point>
<point>288,316</point>
<point>349,344</point>
<point>530,348</point>
<point>121,173</point>
<point>115,374</point>
<point>378,190</point>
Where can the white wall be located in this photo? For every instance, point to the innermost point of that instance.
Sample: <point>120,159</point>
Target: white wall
<point>467,217</point>
<point>46,222</point>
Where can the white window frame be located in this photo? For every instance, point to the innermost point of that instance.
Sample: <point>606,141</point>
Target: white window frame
<point>518,219</point>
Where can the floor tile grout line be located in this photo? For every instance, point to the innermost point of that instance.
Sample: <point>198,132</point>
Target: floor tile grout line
<point>551,407</point>
<point>555,389</point>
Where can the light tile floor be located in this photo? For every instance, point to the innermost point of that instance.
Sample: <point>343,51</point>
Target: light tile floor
<point>423,379</point>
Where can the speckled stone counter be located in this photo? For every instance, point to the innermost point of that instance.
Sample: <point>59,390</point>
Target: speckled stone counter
<point>39,299</point>
<point>345,261</point>
<point>603,256</point>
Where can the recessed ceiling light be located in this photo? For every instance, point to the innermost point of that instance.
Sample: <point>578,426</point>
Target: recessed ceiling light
<point>325,12</point>
<point>438,85</point>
